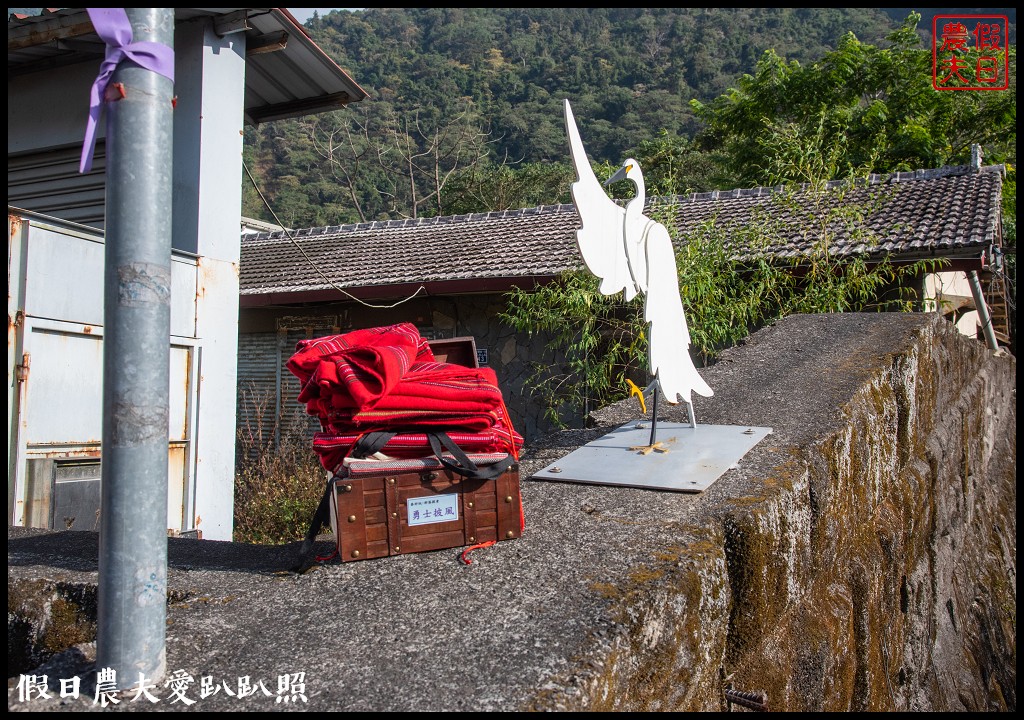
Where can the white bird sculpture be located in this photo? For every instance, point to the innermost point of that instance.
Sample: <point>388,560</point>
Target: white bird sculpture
<point>630,252</point>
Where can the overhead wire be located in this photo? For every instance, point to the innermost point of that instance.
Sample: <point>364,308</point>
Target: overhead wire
<point>291,236</point>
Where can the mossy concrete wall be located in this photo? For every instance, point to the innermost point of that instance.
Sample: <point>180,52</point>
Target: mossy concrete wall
<point>872,564</point>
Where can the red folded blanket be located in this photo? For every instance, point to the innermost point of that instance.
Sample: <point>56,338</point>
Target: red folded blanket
<point>387,379</point>
<point>431,393</point>
<point>399,419</point>
<point>360,366</point>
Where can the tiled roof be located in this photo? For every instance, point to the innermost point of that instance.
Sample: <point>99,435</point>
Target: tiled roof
<point>951,212</point>
<point>947,212</point>
<point>498,245</point>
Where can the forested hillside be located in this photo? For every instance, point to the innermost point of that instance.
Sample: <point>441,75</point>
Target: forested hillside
<point>465,106</point>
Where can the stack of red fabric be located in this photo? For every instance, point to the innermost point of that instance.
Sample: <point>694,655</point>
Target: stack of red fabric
<point>387,379</point>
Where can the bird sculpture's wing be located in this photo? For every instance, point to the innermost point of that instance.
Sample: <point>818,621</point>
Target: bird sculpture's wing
<point>669,334</point>
<point>600,238</point>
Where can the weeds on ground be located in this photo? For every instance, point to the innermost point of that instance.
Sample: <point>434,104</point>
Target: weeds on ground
<point>278,478</point>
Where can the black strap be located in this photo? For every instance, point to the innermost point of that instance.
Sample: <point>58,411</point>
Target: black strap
<point>439,441</point>
<point>321,517</point>
<point>370,443</point>
<point>466,467</point>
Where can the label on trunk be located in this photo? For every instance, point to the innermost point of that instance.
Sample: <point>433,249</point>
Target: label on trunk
<point>433,509</point>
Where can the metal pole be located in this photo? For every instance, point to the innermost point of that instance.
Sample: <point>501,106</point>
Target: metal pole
<point>982,308</point>
<point>131,621</point>
<point>654,415</point>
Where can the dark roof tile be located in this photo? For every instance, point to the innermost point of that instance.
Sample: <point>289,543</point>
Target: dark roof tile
<point>946,211</point>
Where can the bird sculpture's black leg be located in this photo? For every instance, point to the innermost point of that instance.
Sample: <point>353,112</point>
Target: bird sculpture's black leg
<point>654,415</point>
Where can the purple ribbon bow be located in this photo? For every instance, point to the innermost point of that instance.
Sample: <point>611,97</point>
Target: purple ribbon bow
<point>115,30</point>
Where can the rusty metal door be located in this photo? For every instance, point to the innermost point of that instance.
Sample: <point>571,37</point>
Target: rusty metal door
<point>55,365</point>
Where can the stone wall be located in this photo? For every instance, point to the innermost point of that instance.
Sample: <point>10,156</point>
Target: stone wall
<point>514,356</point>
<point>870,563</point>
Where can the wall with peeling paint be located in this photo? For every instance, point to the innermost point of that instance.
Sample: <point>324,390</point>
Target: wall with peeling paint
<point>55,373</point>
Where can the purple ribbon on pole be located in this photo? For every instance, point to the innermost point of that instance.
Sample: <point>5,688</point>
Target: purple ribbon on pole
<point>115,30</point>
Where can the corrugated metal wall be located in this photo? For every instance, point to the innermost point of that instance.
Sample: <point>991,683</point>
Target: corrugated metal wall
<point>49,182</point>
<point>268,412</point>
<point>257,389</point>
<point>295,424</point>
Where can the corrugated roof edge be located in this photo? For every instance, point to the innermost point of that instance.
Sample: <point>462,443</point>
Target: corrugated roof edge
<point>411,222</point>
<point>873,179</point>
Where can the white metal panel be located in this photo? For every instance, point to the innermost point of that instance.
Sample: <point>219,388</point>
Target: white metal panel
<point>181,377</point>
<point>183,297</point>
<point>217,327</point>
<point>65,385</point>
<point>686,458</point>
<point>64,275</point>
<point>210,82</point>
<point>65,388</point>
<point>65,279</point>
<point>210,74</point>
<point>177,464</point>
<point>969,324</point>
<point>62,407</point>
<point>17,238</point>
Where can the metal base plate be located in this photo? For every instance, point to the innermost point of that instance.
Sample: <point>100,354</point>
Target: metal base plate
<point>695,457</point>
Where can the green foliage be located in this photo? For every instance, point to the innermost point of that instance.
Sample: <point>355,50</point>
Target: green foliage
<point>1010,208</point>
<point>674,165</point>
<point>1009,271</point>
<point>276,494</point>
<point>485,187</point>
<point>876,104</point>
<point>595,342</point>
<point>458,94</point>
<point>726,297</point>
<point>503,73</point>
<point>278,484</point>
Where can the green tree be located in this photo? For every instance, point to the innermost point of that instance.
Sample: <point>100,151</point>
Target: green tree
<point>631,71</point>
<point>877,103</point>
<point>486,187</point>
<point>674,165</point>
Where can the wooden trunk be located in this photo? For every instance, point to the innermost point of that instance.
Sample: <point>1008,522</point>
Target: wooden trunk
<point>406,509</point>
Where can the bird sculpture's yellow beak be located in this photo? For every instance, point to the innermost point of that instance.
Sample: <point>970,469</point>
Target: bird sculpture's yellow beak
<point>634,390</point>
